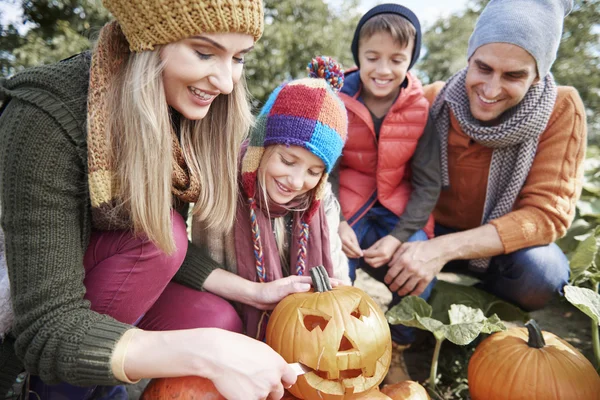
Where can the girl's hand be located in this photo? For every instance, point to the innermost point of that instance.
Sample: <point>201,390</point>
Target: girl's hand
<point>350,245</point>
<point>267,295</point>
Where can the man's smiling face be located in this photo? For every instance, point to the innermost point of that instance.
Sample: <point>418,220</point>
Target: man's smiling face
<point>498,78</point>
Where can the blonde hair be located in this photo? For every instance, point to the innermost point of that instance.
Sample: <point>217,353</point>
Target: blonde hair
<point>140,131</point>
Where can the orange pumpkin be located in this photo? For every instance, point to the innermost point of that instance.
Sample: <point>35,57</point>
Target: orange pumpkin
<point>183,388</point>
<point>340,333</point>
<point>406,390</point>
<point>526,363</point>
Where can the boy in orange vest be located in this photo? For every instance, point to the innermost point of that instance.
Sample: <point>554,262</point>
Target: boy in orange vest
<point>388,178</point>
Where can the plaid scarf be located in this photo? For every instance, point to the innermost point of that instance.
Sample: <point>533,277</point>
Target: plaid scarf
<point>514,141</point>
<point>107,211</point>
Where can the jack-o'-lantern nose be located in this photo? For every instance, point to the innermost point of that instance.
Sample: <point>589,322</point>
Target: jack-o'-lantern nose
<point>346,344</point>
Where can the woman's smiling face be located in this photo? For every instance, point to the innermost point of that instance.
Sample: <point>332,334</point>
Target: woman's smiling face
<point>200,68</point>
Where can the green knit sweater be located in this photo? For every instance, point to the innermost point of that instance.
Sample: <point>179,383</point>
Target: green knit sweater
<point>46,218</point>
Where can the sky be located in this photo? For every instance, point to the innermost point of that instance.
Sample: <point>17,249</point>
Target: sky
<point>426,10</point>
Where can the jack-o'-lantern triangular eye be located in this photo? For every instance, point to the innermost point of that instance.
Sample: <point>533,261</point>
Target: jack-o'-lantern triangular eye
<point>312,319</point>
<point>361,310</point>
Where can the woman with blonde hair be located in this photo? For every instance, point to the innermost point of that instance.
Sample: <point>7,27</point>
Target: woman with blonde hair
<point>101,154</point>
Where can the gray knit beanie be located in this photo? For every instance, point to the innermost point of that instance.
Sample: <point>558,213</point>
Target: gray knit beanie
<point>534,25</point>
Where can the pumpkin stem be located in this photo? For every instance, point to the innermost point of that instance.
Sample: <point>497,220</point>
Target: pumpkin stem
<point>536,339</point>
<point>320,279</point>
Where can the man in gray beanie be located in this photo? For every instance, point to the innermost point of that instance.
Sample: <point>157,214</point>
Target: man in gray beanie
<point>512,150</point>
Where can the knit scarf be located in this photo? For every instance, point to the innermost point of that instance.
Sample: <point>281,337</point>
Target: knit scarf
<point>316,251</point>
<point>107,211</point>
<point>514,141</point>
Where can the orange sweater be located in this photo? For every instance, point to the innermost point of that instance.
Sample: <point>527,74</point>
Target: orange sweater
<point>545,207</point>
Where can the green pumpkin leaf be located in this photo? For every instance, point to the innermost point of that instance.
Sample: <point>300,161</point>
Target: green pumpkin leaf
<point>580,230</point>
<point>586,300</point>
<point>465,325</point>
<point>583,257</point>
<point>589,208</point>
<point>493,324</point>
<point>445,293</point>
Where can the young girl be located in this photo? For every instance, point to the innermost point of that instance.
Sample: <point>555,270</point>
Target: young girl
<point>98,153</point>
<point>287,216</point>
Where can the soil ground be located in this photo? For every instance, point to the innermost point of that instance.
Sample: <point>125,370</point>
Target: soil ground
<point>560,318</point>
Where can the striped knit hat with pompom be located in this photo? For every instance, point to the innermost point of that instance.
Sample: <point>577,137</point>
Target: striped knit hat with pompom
<point>307,113</point>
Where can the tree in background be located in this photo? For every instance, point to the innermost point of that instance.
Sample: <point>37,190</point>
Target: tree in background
<point>295,32</point>
<point>53,30</point>
<point>577,64</point>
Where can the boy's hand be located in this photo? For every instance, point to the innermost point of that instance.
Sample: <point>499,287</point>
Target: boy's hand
<point>350,245</point>
<point>414,266</point>
<point>382,251</point>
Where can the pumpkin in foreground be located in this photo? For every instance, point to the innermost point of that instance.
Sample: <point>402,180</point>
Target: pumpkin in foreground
<point>406,390</point>
<point>183,388</point>
<point>340,333</point>
<point>526,363</point>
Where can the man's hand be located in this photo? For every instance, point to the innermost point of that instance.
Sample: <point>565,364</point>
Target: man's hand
<point>381,252</point>
<point>414,266</point>
<point>350,245</point>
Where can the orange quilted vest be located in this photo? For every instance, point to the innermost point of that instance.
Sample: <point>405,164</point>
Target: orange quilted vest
<point>372,169</point>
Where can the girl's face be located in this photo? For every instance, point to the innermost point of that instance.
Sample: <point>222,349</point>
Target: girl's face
<point>290,172</point>
<point>200,68</point>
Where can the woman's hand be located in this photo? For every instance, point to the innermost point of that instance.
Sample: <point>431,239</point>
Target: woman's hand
<point>247,369</point>
<point>350,245</point>
<point>241,368</point>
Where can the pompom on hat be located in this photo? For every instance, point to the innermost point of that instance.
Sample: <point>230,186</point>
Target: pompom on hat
<point>307,113</point>
<point>534,25</point>
<point>154,22</point>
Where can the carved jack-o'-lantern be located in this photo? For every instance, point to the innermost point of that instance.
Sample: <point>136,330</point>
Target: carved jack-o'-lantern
<point>340,333</point>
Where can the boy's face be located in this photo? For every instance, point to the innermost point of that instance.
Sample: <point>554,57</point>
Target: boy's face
<point>383,64</point>
<point>498,78</point>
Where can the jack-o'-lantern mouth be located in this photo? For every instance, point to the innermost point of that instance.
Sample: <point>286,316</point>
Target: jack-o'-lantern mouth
<point>346,381</point>
<point>342,375</point>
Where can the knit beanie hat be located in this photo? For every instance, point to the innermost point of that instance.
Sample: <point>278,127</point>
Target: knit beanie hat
<point>153,22</point>
<point>389,9</point>
<point>534,25</point>
<point>305,112</point>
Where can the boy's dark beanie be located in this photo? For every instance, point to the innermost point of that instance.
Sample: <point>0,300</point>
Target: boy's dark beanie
<point>389,9</point>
